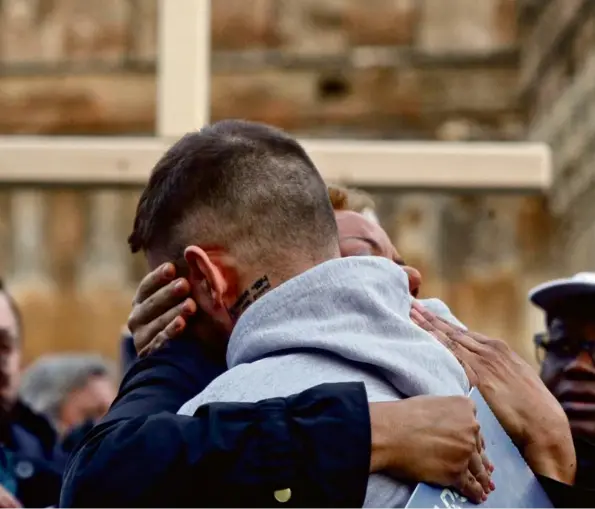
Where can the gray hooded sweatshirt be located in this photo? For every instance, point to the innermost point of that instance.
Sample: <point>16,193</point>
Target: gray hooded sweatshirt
<point>345,320</point>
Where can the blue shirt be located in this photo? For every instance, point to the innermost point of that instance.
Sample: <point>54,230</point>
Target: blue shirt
<point>31,460</point>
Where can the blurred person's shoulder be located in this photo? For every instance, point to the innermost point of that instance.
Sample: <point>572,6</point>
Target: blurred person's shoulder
<point>33,431</point>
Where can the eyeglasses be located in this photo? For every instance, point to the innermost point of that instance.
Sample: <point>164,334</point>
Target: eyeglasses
<point>561,348</point>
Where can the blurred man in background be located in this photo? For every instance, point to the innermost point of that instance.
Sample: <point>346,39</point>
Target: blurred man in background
<point>71,390</point>
<point>31,461</point>
<point>567,353</point>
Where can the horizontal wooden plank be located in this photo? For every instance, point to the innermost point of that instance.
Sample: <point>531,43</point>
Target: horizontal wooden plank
<point>424,165</point>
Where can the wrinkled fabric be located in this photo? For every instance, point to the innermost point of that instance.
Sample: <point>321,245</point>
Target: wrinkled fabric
<point>345,320</point>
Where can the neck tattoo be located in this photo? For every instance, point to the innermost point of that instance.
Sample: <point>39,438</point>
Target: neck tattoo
<point>249,296</point>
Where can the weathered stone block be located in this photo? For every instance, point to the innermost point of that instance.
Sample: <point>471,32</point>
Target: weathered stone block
<point>142,30</point>
<point>459,90</point>
<point>75,104</point>
<point>557,19</point>
<point>408,102</point>
<point>381,22</point>
<point>311,26</point>
<point>64,31</point>
<point>66,235</point>
<point>276,97</point>
<point>466,25</point>
<point>238,24</point>
<point>583,44</point>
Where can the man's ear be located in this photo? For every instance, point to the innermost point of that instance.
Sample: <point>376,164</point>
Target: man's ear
<point>208,275</point>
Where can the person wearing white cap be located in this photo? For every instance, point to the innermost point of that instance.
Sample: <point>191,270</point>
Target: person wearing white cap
<point>567,355</point>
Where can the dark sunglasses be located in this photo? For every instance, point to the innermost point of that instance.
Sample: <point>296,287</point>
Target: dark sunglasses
<point>562,348</point>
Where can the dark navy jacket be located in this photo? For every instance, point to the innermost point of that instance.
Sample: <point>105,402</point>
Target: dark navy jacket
<point>144,455</point>
<point>316,443</point>
<point>32,459</point>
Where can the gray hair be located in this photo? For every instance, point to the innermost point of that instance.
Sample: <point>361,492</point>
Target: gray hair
<point>47,383</point>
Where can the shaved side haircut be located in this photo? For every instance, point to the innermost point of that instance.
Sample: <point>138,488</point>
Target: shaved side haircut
<point>241,186</point>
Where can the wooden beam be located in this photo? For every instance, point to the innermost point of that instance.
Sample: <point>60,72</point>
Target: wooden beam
<point>183,102</point>
<point>418,165</point>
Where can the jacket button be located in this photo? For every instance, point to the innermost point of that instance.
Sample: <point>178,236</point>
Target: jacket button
<point>24,469</point>
<point>282,496</point>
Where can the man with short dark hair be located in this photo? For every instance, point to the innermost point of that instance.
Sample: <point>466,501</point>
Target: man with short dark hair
<point>239,186</point>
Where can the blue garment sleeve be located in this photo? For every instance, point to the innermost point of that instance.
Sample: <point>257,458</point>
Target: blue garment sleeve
<point>316,444</point>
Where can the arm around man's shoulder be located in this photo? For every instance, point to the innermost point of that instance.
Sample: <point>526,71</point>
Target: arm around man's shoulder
<point>316,444</point>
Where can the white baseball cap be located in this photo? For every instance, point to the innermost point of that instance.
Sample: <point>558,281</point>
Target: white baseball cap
<point>548,294</point>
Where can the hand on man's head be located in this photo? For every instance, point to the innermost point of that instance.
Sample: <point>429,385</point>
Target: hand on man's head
<point>521,402</point>
<point>160,309</point>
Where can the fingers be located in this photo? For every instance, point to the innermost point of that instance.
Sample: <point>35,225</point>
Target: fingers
<point>421,321</point>
<point>449,335</point>
<point>480,466</point>
<point>157,304</point>
<point>465,341</point>
<point>482,472</point>
<point>164,324</point>
<point>429,323</point>
<point>435,320</point>
<point>156,341</point>
<point>488,465</point>
<point>464,356</point>
<point>479,472</point>
<point>159,301</point>
<point>471,340</point>
<point>153,281</point>
<point>476,336</point>
<point>460,344</point>
<point>449,325</point>
<point>454,332</point>
<point>470,487</point>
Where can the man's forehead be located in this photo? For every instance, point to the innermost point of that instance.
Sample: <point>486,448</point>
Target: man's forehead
<point>354,224</point>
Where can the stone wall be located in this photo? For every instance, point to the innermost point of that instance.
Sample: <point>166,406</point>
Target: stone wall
<point>394,69</point>
<point>557,82</point>
<point>387,68</point>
